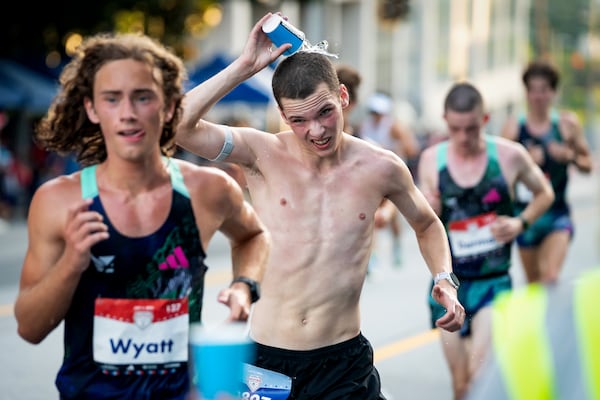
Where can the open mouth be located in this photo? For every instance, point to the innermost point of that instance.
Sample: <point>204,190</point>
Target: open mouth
<point>321,142</point>
<point>132,132</point>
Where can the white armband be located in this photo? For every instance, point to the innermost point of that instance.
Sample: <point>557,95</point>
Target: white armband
<point>227,146</point>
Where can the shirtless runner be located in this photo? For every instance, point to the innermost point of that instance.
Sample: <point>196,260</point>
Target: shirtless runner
<point>316,189</point>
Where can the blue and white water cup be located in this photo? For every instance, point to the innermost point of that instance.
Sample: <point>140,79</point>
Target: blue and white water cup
<point>281,31</point>
<point>218,354</point>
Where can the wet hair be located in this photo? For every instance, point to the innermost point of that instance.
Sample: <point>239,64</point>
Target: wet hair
<point>298,76</point>
<point>66,128</point>
<point>351,79</point>
<point>541,69</point>
<point>463,97</point>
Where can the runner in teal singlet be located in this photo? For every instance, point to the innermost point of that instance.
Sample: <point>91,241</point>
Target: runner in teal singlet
<point>555,141</point>
<point>117,250</point>
<point>469,181</point>
<point>480,262</point>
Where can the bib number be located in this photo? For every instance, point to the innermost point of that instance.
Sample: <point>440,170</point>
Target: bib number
<point>473,236</point>
<point>137,336</point>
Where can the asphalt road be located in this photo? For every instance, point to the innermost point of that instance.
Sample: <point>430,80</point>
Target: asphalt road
<point>394,310</point>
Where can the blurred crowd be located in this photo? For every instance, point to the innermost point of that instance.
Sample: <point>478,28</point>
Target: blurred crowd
<point>21,172</point>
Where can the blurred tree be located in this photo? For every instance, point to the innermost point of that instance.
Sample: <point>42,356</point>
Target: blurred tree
<point>33,30</point>
<point>393,10</point>
<point>570,18</point>
<point>550,18</point>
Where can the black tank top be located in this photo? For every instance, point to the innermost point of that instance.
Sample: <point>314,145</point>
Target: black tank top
<point>556,172</point>
<point>167,264</point>
<point>467,214</point>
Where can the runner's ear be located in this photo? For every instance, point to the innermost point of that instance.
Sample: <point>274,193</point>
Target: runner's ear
<point>90,111</point>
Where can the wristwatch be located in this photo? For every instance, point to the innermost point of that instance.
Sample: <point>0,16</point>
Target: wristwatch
<point>449,276</point>
<point>252,284</point>
<point>524,222</point>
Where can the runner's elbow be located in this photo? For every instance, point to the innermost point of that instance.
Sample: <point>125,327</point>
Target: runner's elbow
<point>30,336</point>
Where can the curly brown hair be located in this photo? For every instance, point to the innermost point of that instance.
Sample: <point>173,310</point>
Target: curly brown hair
<point>66,128</point>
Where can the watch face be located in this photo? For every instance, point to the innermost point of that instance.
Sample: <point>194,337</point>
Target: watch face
<point>454,279</point>
<point>254,291</point>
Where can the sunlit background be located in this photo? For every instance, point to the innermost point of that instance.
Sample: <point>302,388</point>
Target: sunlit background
<point>413,50</point>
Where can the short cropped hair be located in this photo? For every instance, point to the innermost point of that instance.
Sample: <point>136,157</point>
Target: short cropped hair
<point>297,76</point>
<point>463,97</point>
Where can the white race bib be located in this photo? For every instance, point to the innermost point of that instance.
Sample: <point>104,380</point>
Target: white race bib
<point>473,236</point>
<point>132,334</point>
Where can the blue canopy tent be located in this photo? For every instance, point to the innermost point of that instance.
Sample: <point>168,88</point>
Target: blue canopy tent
<point>24,89</point>
<point>10,96</point>
<point>254,91</point>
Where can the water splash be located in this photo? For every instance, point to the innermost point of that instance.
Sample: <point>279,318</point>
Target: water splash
<point>320,48</point>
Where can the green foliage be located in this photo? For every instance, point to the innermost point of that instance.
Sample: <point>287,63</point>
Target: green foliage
<point>570,18</point>
<point>568,22</point>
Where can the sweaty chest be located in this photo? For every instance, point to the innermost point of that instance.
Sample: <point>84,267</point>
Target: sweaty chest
<point>328,206</point>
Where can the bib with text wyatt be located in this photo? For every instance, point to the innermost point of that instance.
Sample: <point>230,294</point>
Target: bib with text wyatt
<point>140,336</point>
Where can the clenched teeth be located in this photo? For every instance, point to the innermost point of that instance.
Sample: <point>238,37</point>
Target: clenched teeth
<point>321,142</point>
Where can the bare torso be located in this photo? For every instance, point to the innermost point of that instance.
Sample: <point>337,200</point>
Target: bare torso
<point>321,223</point>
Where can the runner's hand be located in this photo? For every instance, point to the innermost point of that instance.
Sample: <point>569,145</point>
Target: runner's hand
<point>455,313</point>
<point>258,51</point>
<point>506,228</point>
<point>238,301</point>
<point>83,230</point>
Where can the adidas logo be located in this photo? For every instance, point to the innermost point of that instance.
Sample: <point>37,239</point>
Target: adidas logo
<point>175,260</point>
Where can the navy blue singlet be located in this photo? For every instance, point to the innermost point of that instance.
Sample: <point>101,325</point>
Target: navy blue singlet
<point>167,264</point>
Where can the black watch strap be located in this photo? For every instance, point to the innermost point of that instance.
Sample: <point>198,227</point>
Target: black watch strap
<point>252,284</point>
<point>524,222</point>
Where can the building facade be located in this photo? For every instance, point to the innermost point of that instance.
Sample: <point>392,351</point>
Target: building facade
<point>415,59</point>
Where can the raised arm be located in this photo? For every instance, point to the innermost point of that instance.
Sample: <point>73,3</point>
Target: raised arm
<point>202,137</point>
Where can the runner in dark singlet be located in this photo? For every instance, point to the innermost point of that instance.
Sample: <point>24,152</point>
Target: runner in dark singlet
<point>555,141</point>
<point>479,260</point>
<point>116,250</point>
<point>469,180</point>
<point>125,273</point>
<point>558,217</point>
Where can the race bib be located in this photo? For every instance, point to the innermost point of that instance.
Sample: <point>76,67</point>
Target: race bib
<point>137,336</point>
<point>264,384</point>
<point>473,236</point>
